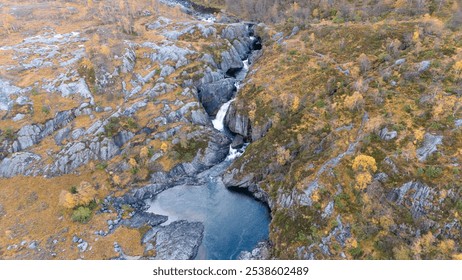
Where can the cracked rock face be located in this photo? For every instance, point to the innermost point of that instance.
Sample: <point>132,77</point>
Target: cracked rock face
<point>415,195</point>
<point>429,146</point>
<point>18,164</point>
<point>179,240</point>
<point>215,94</point>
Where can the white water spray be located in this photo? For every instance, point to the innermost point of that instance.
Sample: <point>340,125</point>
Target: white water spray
<point>218,122</point>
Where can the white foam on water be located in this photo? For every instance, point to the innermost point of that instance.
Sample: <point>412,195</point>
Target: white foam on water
<point>218,122</point>
<point>235,153</point>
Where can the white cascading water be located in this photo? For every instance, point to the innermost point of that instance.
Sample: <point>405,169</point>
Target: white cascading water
<point>235,153</point>
<point>218,122</point>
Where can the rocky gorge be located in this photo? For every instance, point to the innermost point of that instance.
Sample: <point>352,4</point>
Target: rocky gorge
<point>148,129</point>
<point>180,129</point>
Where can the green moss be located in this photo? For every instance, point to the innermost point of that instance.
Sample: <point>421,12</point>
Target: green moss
<point>8,134</point>
<point>116,124</point>
<point>186,150</point>
<point>81,215</point>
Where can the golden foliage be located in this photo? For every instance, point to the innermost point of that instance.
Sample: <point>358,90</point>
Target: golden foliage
<point>67,200</point>
<point>444,104</point>
<point>374,124</point>
<point>164,147</point>
<point>315,196</point>
<point>133,162</point>
<point>416,36</point>
<point>85,194</point>
<point>362,180</point>
<point>283,155</point>
<point>105,50</point>
<point>458,67</point>
<point>354,102</point>
<point>144,152</point>
<point>295,103</point>
<point>116,179</point>
<point>401,253</point>
<point>364,163</point>
<point>446,246</point>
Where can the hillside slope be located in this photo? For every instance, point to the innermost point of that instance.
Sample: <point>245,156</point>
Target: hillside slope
<point>355,131</point>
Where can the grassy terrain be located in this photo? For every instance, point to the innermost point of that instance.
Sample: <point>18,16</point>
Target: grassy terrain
<point>32,208</point>
<point>301,88</point>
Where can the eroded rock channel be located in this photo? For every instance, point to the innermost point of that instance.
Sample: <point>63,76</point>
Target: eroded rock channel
<point>195,215</point>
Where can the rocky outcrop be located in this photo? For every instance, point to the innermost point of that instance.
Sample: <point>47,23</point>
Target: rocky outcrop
<point>32,134</point>
<point>234,31</point>
<point>215,94</point>
<point>231,61</point>
<point>140,219</point>
<point>237,123</point>
<point>255,56</point>
<point>429,146</point>
<point>234,180</point>
<point>179,240</point>
<point>18,164</point>
<point>260,252</point>
<point>415,195</point>
<point>387,135</point>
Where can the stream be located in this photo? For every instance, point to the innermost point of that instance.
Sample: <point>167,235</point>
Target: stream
<point>233,221</point>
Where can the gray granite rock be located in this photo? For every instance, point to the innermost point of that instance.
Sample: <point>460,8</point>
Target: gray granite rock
<point>387,135</point>
<point>179,240</point>
<point>215,94</point>
<point>429,146</point>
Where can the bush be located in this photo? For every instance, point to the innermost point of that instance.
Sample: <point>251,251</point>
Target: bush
<point>433,172</point>
<point>73,190</point>
<point>45,109</point>
<point>8,134</point>
<point>81,214</point>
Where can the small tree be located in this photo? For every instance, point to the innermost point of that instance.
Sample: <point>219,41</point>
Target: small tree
<point>81,214</point>
<point>67,200</point>
<point>363,166</point>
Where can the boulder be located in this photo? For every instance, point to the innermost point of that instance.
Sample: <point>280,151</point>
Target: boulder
<point>215,94</point>
<point>179,240</point>
<point>231,61</point>
<point>429,146</point>
<point>200,117</point>
<point>18,164</point>
<point>237,123</point>
<point>238,142</point>
<point>234,31</point>
<point>387,135</point>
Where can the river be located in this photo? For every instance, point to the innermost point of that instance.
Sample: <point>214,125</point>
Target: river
<point>233,221</point>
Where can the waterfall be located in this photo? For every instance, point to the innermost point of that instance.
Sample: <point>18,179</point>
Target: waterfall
<point>218,122</point>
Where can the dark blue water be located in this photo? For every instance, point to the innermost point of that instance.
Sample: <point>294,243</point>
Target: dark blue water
<point>233,221</point>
